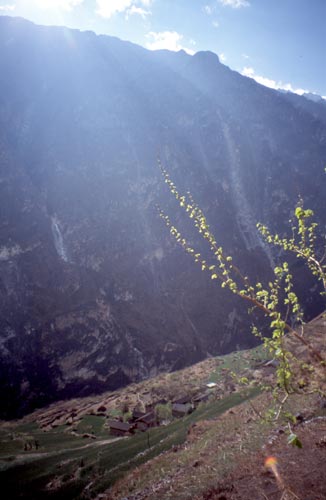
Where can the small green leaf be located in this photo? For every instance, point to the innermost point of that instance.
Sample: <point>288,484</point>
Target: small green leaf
<point>294,440</point>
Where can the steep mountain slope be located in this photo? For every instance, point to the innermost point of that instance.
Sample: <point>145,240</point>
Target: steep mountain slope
<point>94,293</point>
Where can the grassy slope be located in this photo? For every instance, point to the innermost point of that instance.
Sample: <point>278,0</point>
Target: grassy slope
<point>101,463</point>
<point>175,461</point>
<point>64,463</point>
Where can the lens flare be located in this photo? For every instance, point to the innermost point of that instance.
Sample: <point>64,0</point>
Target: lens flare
<point>271,463</point>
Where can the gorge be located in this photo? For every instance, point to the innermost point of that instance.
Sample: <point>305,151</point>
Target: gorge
<point>94,293</point>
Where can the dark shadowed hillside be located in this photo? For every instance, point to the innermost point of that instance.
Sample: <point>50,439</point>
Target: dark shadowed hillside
<point>94,294</point>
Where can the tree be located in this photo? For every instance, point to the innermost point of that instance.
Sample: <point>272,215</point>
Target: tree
<point>277,300</point>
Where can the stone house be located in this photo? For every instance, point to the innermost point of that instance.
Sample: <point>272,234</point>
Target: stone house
<point>181,410</point>
<point>118,428</point>
<point>146,421</point>
<point>136,414</point>
<point>183,400</point>
<point>200,398</point>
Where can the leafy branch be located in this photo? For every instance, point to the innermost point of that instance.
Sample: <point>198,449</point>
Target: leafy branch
<point>302,243</point>
<point>278,300</point>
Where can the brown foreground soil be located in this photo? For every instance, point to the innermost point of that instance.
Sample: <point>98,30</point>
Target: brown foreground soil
<point>303,471</point>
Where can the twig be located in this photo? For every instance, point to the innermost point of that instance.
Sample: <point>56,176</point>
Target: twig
<point>281,406</point>
<point>255,410</point>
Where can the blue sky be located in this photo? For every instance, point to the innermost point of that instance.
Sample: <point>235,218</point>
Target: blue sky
<point>280,43</point>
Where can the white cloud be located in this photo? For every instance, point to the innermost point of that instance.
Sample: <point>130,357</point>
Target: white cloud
<point>7,8</point>
<point>247,71</point>
<point>58,4</point>
<point>107,8</point>
<point>138,11</point>
<point>222,57</point>
<point>245,56</point>
<point>215,24</point>
<point>235,4</point>
<point>208,10</point>
<point>272,84</point>
<point>169,40</point>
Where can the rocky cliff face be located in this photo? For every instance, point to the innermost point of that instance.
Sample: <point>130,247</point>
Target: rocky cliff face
<point>94,294</point>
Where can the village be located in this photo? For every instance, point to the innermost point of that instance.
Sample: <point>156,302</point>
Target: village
<point>156,402</point>
<point>153,417</point>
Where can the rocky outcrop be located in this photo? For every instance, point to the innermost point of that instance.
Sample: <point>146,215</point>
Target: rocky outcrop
<point>94,292</point>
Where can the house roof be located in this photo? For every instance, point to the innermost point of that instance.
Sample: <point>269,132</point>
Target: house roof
<point>161,401</point>
<point>201,397</point>
<point>182,408</point>
<point>183,400</point>
<point>147,419</point>
<point>120,426</point>
<point>138,413</point>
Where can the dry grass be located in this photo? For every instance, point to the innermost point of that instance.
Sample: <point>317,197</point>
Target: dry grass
<point>213,450</point>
